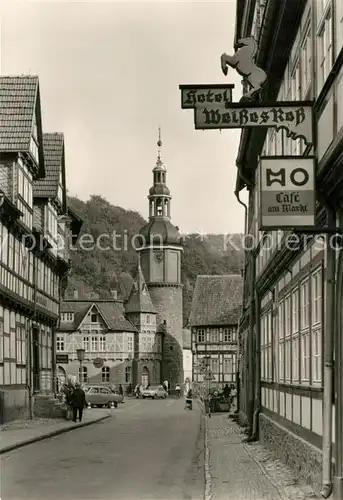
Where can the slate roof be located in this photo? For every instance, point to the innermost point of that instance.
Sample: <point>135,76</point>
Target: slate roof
<point>19,96</point>
<point>139,299</point>
<point>159,230</point>
<point>111,311</point>
<point>187,338</point>
<point>53,146</point>
<point>217,300</point>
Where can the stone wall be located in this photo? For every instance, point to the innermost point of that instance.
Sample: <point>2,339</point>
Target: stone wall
<point>304,459</point>
<point>168,302</point>
<point>14,404</point>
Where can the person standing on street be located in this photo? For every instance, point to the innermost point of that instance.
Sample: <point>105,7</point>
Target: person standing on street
<point>121,390</point>
<point>178,390</point>
<point>78,402</point>
<point>227,391</point>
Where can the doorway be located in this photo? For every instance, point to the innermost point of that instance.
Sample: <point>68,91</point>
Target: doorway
<point>61,378</point>
<point>145,377</point>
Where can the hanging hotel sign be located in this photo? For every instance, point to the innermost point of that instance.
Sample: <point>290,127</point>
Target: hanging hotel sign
<point>287,192</point>
<point>294,117</point>
<point>214,109</point>
<point>194,96</point>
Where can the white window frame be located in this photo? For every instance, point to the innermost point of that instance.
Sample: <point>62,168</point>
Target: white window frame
<point>105,374</point>
<point>215,365</point>
<point>281,339</point>
<point>295,358</point>
<point>316,293</point>
<point>85,343</point>
<point>128,374</point>
<point>201,335</point>
<point>305,304</point>
<point>214,335</point>
<point>305,356</point>
<point>102,343</point>
<point>83,374</point>
<point>130,343</point>
<point>324,46</point>
<point>295,310</point>
<point>94,343</point>
<point>306,61</point>
<point>60,343</point>
<point>316,355</point>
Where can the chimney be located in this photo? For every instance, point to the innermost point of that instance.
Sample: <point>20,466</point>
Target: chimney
<point>76,294</point>
<point>114,294</point>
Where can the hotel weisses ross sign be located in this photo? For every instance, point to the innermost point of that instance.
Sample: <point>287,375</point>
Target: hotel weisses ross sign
<point>194,96</point>
<point>287,192</point>
<point>295,119</point>
<point>287,184</point>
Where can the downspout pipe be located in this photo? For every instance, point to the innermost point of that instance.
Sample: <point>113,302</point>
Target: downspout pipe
<point>328,358</point>
<point>251,377</point>
<point>238,384</point>
<point>257,408</point>
<point>338,478</point>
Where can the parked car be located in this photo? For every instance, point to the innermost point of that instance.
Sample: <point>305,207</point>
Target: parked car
<point>98,395</point>
<point>155,392</point>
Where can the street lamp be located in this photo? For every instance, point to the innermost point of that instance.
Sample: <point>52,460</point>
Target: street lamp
<point>80,356</point>
<point>208,373</point>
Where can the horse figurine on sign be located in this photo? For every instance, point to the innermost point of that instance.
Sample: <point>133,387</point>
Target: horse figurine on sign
<point>244,62</point>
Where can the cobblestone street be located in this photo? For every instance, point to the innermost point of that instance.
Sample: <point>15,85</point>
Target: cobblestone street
<point>147,450</point>
<point>245,471</point>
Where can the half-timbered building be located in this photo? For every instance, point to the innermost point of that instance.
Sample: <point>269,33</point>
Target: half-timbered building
<point>33,196</point>
<point>122,341</point>
<point>215,312</point>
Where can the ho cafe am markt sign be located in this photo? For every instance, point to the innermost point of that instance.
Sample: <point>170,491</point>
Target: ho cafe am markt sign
<point>287,183</point>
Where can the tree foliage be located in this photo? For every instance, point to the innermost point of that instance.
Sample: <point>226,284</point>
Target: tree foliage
<point>111,265</point>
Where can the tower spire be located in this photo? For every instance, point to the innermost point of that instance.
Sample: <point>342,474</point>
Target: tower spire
<point>159,145</point>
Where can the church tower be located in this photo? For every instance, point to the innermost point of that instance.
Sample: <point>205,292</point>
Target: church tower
<point>161,252</point>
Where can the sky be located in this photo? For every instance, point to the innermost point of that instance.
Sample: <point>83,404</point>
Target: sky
<point>109,76</point>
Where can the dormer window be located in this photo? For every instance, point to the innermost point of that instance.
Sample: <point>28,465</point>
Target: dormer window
<point>34,130</point>
<point>51,222</point>
<point>67,317</point>
<point>60,193</point>
<point>34,149</point>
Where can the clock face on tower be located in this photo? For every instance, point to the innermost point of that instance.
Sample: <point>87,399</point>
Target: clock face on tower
<point>158,256</point>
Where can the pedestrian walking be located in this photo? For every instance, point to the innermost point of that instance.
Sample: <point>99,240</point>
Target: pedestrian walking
<point>121,390</point>
<point>233,394</point>
<point>178,390</point>
<point>78,401</point>
<point>227,391</point>
<point>188,401</point>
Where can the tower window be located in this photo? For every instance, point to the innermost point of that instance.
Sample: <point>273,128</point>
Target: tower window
<point>159,207</point>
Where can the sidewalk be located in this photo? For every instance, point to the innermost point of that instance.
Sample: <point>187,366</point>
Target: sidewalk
<point>22,432</point>
<point>241,471</point>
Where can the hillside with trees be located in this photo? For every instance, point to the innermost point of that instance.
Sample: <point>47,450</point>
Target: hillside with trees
<point>111,265</point>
